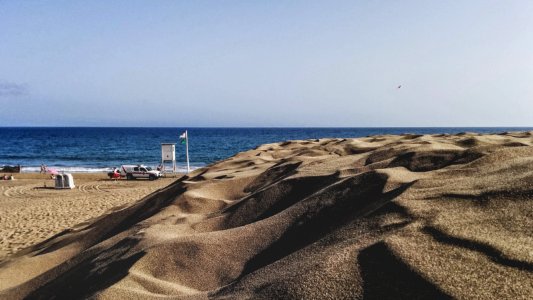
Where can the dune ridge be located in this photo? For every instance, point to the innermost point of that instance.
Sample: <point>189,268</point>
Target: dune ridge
<point>392,216</point>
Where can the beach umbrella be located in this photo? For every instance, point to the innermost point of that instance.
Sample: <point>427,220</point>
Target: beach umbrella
<point>52,171</point>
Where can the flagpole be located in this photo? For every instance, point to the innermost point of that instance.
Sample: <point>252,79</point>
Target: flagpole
<point>187,150</point>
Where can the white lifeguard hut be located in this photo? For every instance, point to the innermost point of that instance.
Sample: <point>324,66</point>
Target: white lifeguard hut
<point>64,181</point>
<point>168,155</point>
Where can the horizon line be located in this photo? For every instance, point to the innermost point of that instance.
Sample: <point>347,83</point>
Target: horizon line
<point>266,127</point>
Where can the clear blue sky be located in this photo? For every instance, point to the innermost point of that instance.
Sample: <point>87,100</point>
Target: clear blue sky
<point>266,63</point>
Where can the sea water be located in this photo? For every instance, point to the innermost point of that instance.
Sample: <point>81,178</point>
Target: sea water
<point>99,149</point>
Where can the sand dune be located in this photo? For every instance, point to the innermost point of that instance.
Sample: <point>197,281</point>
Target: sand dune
<point>407,216</point>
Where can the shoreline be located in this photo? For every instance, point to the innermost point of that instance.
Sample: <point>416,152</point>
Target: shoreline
<point>86,170</point>
<point>80,175</point>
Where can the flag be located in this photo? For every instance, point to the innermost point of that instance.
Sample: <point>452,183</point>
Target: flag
<point>183,138</point>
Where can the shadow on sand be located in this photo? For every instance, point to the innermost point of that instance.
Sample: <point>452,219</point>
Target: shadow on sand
<point>92,275</point>
<point>387,277</point>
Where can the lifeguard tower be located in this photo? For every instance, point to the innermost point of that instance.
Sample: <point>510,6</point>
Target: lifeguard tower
<point>168,155</point>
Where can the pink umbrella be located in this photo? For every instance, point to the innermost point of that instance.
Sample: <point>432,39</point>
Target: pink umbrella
<point>52,171</point>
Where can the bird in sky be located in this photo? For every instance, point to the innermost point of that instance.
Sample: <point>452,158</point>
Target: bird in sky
<point>400,86</point>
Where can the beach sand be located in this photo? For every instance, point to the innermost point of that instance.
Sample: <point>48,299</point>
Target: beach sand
<point>380,217</point>
<point>31,210</point>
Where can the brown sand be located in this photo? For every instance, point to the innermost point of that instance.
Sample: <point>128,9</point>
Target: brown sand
<point>403,217</point>
<point>31,210</point>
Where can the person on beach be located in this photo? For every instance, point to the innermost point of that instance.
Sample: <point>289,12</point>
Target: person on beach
<point>43,169</point>
<point>114,175</point>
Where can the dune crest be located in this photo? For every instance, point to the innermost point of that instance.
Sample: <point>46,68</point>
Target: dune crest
<point>392,216</point>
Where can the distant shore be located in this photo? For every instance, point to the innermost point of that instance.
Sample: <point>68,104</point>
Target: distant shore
<point>99,149</point>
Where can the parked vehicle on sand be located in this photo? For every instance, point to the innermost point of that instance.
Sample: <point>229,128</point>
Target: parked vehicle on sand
<point>11,169</point>
<point>139,171</point>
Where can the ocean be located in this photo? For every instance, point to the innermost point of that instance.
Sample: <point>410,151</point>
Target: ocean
<point>98,149</point>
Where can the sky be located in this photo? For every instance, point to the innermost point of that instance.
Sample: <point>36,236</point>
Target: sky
<point>266,63</point>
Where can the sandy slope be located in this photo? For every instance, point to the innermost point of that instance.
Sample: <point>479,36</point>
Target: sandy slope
<point>379,217</point>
